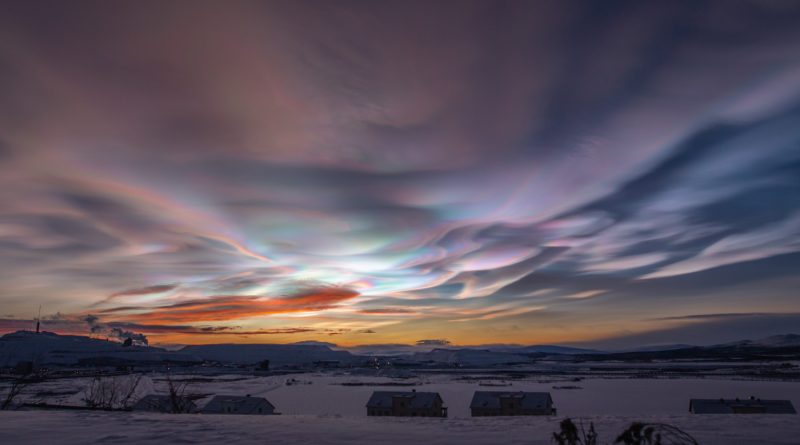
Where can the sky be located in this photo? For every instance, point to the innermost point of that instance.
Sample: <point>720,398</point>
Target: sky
<point>359,172</point>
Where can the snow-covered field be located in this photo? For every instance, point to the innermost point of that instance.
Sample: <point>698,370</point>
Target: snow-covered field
<point>325,395</point>
<point>619,397</point>
<point>33,428</point>
<point>323,411</point>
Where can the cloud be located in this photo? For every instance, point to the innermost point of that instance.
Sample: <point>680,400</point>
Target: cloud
<point>714,316</point>
<point>62,326</point>
<point>417,164</point>
<point>156,289</point>
<point>388,311</point>
<point>140,332</point>
<point>233,307</point>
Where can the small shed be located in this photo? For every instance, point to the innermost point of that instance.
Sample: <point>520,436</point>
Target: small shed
<point>752,405</point>
<point>156,403</point>
<point>406,404</point>
<point>504,403</point>
<point>239,405</point>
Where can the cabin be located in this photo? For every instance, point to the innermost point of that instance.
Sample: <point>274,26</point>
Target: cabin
<point>406,404</point>
<point>741,406</point>
<point>504,403</point>
<point>239,405</point>
<point>156,403</point>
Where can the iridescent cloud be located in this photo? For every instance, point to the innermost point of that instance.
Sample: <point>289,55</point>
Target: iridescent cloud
<point>502,172</point>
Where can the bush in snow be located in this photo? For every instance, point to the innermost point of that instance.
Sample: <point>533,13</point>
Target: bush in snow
<point>655,434</point>
<point>112,392</point>
<point>570,435</point>
<point>14,390</point>
<point>636,434</point>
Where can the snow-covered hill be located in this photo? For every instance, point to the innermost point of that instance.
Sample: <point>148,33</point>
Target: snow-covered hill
<point>278,355</point>
<point>403,349</point>
<point>391,349</point>
<point>546,349</point>
<point>469,357</point>
<point>47,348</point>
<point>774,341</point>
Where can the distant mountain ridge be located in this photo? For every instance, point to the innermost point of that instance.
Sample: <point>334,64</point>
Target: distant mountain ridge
<point>470,357</point>
<point>50,348</point>
<point>773,341</point>
<point>548,349</point>
<point>393,349</point>
<point>277,354</point>
<point>47,348</point>
<point>777,347</point>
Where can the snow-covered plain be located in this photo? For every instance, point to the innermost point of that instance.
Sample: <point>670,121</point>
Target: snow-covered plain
<point>326,394</point>
<point>68,428</point>
<point>323,411</point>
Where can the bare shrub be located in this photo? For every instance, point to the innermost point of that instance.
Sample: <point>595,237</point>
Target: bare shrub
<point>569,434</point>
<point>636,434</point>
<point>111,392</point>
<point>14,390</point>
<point>655,434</point>
<point>179,403</point>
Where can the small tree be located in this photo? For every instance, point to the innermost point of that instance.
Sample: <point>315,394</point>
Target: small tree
<point>111,392</point>
<point>14,390</point>
<point>179,403</point>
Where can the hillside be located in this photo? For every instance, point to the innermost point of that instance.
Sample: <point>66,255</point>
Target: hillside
<point>775,348</point>
<point>546,349</point>
<point>278,355</point>
<point>469,357</point>
<point>47,348</point>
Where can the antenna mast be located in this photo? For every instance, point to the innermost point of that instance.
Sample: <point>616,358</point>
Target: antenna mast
<point>38,318</point>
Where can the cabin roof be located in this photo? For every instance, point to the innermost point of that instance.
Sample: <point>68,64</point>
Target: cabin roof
<point>729,406</point>
<point>528,400</point>
<point>383,399</point>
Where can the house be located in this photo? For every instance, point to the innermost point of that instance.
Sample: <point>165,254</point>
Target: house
<point>406,404</point>
<point>741,406</point>
<point>156,403</point>
<point>238,405</point>
<point>504,403</point>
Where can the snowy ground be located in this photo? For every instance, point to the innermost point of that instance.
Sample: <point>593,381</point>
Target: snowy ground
<point>325,411</point>
<point>326,395</point>
<point>33,428</point>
